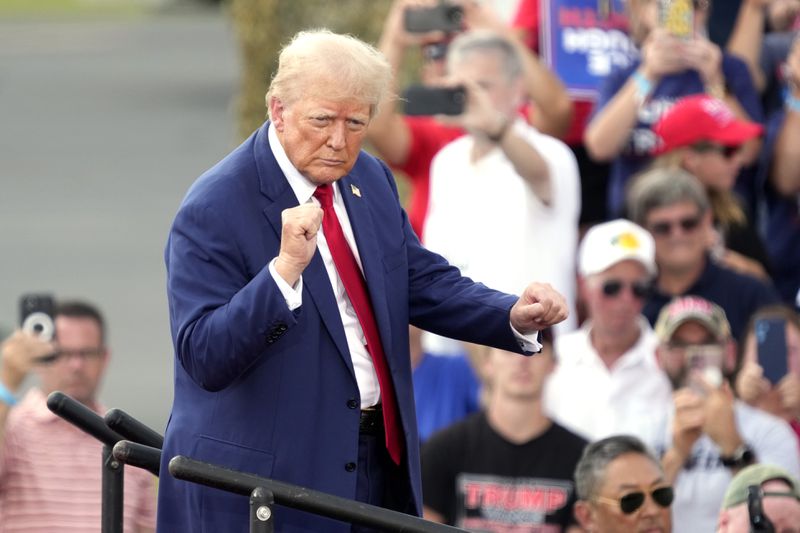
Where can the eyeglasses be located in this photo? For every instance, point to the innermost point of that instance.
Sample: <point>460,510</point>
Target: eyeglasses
<point>725,151</point>
<point>665,227</point>
<point>613,287</point>
<point>631,502</point>
<point>86,354</point>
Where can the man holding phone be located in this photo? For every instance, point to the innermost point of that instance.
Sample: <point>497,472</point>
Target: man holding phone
<point>770,374</point>
<point>50,475</point>
<point>706,436</point>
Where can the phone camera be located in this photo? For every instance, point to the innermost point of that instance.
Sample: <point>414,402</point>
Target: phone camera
<point>39,324</point>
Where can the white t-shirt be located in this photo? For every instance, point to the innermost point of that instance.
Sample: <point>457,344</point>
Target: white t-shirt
<point>588,398</point>
<point>485,219</point>
<point>701,484</point>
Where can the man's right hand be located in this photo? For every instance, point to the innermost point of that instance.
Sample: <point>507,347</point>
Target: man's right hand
<point>18,354</point>
<point>690,416</point>
<point>298,240</point>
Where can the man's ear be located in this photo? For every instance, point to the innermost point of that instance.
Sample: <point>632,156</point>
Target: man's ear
<point>276,110</point>
<point>584,515</point>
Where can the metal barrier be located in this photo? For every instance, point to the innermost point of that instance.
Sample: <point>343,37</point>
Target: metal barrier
<point>139,451</point>
<point>301,498</point>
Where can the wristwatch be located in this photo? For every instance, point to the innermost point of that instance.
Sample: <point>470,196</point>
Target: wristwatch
<point>743,456</point>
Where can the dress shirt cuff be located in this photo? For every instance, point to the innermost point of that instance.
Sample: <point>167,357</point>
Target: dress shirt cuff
<point>292,295</point>
<point>529,343</point>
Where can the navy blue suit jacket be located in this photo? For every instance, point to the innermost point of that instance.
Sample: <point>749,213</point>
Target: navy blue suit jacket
<point>266,390</point>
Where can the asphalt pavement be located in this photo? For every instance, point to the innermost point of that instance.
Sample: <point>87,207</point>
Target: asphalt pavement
<point>104,124</point>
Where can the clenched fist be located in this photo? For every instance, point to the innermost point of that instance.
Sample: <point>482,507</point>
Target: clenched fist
<point>539,307</point>
<point>298,240</point>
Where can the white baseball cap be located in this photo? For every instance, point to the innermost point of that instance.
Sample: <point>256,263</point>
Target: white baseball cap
<point>606,244</point>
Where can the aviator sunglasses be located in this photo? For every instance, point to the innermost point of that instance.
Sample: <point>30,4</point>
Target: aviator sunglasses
<point>613,287</point>
<point>631,502</point>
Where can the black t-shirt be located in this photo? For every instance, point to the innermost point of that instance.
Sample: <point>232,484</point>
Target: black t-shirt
<point>479,481</point>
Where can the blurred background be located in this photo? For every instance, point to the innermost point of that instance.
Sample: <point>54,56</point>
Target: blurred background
<point>109,110</point>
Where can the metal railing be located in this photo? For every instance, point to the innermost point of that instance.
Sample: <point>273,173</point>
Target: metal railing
<point>128,441</point>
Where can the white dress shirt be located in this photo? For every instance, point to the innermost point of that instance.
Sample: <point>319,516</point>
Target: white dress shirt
<point>366,377</point>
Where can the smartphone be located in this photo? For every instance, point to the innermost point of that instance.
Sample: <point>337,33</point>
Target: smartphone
<point>771,344</point>
<point>677,16</point>
<point>704,363</point>
<point>442,17</point>
<point>422,100</point>
<point>36,315</point>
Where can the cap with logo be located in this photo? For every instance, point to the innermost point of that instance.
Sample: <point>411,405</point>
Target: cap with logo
<point>692,309</point>
<point>700,118</point>
<point>609,243</point>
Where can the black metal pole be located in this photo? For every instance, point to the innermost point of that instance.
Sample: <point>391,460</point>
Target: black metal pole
<point>302,498</point>
<point>113,483</point>
<point>261,501</point>
<point>138,455</point>
<point>81,416</point>
<point>132,429</point>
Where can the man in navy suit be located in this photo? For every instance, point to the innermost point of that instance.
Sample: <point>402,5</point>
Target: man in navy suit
<point>281,368</point>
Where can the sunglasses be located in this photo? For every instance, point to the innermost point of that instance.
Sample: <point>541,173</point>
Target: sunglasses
<point>613,287</point>
<point>725,151</point>
<point>664,228</point>
<point>631,502</point>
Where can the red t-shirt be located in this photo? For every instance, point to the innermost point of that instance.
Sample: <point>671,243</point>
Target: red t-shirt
<point>427,137</point>
<point>528,20</point>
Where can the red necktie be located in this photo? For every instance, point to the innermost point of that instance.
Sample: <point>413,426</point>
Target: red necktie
<point>356,289</point>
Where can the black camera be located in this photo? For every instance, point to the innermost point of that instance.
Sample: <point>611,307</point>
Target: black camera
<point>422,100</point>
<point>36,315</point>
<point>442,17</point>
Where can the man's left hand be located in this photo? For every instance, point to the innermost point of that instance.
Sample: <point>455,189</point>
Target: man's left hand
<point>539,307</point>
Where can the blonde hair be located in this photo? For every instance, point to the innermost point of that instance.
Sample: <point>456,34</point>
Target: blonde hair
<point>320,63</point>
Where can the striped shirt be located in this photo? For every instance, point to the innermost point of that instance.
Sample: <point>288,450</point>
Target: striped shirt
<point>50,476</point>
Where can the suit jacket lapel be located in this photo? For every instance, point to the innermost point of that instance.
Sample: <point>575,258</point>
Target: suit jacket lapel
<point>361,220</point>
<point>315,278</point>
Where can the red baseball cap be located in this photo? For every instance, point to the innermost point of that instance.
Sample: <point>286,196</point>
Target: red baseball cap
<point>699,118</point>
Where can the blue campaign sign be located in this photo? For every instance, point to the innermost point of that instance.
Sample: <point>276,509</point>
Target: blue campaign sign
<point>583,40</point>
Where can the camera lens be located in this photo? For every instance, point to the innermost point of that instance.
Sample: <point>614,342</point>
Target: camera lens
<point>39,324</point>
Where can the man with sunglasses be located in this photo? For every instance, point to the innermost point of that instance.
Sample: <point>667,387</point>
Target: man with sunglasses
<point>622,488</point>
<point>761,498</point>
<point>607,380</point>
<point>49,470</point>
<point>705,436</point>
<point>674,207</point>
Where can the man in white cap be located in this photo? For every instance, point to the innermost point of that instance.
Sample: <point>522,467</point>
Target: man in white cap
<point>607,380</point>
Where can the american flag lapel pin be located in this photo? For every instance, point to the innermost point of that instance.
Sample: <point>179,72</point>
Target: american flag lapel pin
<point>355,190</point>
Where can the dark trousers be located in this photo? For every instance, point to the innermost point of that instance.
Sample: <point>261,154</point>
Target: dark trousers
<point>380,481</point>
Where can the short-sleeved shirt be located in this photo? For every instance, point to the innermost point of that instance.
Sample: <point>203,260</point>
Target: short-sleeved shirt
<point>51,476</point>
<point>739,295</point>
<point>478,480</point>
<point>445,391</point>
<point>636,152</point>
<point>427,137</point>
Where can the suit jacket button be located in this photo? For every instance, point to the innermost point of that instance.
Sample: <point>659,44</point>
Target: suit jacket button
<point>350,467</point>
<point>352,403</point>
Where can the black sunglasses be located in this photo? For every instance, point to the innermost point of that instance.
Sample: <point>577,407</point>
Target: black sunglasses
<point>687,224</point>
<point>613,287</point>
<point>726,151</point>
<point>631,502</point>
